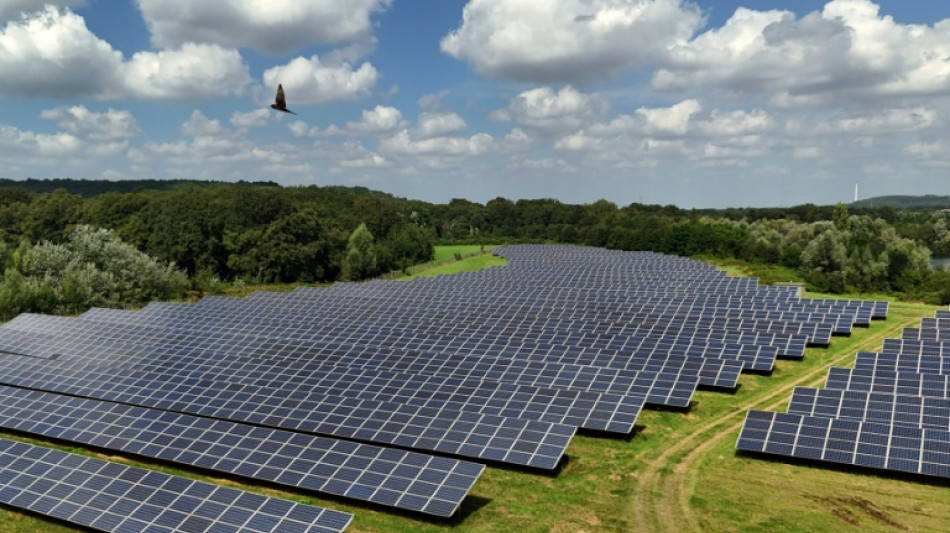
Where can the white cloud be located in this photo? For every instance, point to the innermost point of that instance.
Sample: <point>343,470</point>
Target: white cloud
<point>199,125</point>
<point>807,152</point>
<point>83,123</point>
<point>312,81</point>
<point>9,9</point>
<point>250,119</point>
<point>274,26</point>
<point>735,123</point>
<point>370,160</point>
<point>52,53</point>
<point>673,119</point>
<point>548,111</point>
<point>846,51</point>
<point>580,141</point>
<point>568,40</point>
<point>439,125</point>
<point>402,143</point>
<point>210,149</point>
<point>886,121</point>
<point>380,120</point>
<point>24,145</point>
<point>927,150</point>
<point>86,136</point>
<point>194,71</point>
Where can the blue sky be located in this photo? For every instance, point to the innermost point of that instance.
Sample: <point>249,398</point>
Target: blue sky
<point>697,104</point>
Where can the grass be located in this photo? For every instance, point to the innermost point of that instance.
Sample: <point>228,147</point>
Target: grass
<point>443,253</point>
<point>679,472</point>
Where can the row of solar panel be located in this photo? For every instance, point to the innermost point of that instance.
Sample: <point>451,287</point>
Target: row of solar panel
<point>891,411</point>
<point>111,497</point>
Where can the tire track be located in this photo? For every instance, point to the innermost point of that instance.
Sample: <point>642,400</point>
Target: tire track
<point>661,500</point>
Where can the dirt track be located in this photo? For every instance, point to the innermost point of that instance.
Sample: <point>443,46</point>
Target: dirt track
<point>661,500</point>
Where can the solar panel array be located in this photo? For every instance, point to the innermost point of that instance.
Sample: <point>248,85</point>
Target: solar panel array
<point>891,411</point>
<point>108,496</point>
<point>397,393</point>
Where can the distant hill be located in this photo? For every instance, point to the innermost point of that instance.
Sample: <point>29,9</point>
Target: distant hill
<point>926,202</point>
<point>89,188</point>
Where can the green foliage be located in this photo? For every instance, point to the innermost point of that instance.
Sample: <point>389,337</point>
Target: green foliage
<point>296,247</point>
<point>841,218</point>
<point>92,267</point>
<point>360,259</point>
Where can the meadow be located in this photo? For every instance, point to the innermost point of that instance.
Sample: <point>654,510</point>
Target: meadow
<point>678,472</point>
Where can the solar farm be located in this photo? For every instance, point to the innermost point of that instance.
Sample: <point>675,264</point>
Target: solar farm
<point>399,397</point>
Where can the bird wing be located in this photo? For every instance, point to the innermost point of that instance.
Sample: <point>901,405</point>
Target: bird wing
<point>281,101</point>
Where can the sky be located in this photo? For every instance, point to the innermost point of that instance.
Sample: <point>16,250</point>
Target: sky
<point>706,103</point>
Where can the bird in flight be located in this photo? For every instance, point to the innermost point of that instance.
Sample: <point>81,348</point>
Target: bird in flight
<point>280,103</point>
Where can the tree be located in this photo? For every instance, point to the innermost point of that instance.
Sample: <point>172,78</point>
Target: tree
<point>360,259</point>
<point>823,261</point>
<point>297,247</point>
<point>841,218</point>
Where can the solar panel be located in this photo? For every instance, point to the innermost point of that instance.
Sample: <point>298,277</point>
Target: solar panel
<point>894,382</point>
<point>111,497</point>
<point>867,444</point>
<point>517,441</point>
<point>884,408</point>
<point>405,480</point>
<point>904,362</point>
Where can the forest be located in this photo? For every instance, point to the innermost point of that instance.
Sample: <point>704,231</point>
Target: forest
<point>70,244</point>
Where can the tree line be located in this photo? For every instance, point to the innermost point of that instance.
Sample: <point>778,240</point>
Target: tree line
<point>266,233</point>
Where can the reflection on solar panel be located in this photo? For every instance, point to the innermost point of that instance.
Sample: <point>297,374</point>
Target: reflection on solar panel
<point>502,365</point>
<point>405,480</point>
<point>111,497</point>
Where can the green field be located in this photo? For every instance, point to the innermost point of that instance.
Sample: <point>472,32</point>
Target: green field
<point>678,473</point>
<point>443,253</point>
<point>445,264</point>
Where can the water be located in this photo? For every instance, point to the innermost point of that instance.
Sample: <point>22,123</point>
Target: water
<point>940,263</point>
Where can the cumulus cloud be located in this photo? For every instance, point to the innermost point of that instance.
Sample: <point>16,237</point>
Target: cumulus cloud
<point>439,124</point>
<point>274,26</point>
<point>194,71</point>
<point>26,145</point>
<point>886,121</point>
<point>551,111</point>
<point>312,81</point>
<point>927,150</point>
<point>846,50</point>
<point>380,120</point>
<point>250,119</point>
<point>9,9</point>
<point>52,53</point>
<point>209,149</point>
<point>568,40</point>
<point>84,136</point>
<point>674,119</point>
<point>402,143</point>
<point>83,123</point>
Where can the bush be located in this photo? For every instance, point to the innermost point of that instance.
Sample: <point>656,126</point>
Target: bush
<point>92,268</point>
